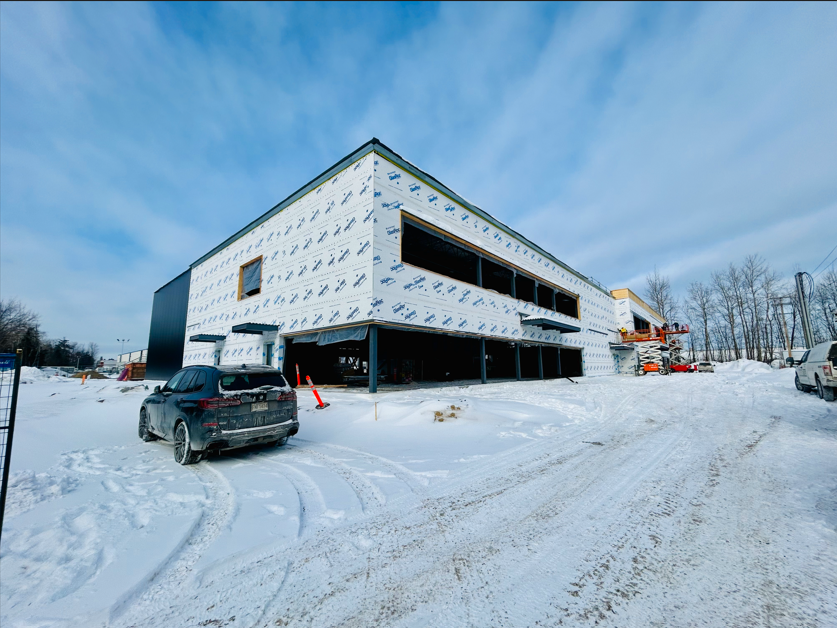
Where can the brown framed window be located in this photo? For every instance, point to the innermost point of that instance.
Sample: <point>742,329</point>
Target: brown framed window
<point>250,279</point>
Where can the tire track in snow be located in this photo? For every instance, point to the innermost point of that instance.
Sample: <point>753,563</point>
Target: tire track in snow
<point>455,525</point>
<point>175,571</point>
<point>312,506</point>
<point>415,482</point>
<point>369,495</point>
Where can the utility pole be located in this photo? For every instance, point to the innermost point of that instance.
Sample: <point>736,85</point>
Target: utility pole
<point>781,301</point>
<point>807,331</point>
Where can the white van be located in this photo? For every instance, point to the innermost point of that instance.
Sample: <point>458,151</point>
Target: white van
<point>817,370</point>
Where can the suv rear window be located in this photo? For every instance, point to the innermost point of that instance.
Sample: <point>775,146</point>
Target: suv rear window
<point>249,381</point>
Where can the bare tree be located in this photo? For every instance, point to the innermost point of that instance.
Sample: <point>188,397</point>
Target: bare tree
<point>824,308</point>
<point>19,329</point>
<point>659,294</point>
<point>722,284</point>
<point>700,304</point>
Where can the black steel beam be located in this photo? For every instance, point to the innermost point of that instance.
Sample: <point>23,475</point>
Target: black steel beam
<point>253,328</point>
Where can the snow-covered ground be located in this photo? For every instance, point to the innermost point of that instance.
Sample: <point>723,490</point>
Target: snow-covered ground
<point>688,500</point>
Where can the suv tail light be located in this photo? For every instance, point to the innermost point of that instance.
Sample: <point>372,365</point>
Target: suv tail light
<point>288,396</point>
<point>217,402</point>
<point>827,370</point>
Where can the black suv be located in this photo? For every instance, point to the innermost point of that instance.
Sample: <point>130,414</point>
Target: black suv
<point>209,408</point>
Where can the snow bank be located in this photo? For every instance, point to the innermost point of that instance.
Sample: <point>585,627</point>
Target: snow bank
<point>30,375</point>
<point>742,366</point>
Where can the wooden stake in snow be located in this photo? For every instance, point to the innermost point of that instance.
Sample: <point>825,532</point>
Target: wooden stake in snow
<point>316,394</point>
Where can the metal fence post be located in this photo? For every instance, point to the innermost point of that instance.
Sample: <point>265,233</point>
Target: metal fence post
<point>9,384</point>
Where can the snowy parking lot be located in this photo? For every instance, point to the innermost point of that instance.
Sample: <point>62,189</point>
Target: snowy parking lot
<point>688,500</point>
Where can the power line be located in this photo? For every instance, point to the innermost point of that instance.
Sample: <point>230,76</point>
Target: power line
<point>826,257</point>
<point>831,266</point>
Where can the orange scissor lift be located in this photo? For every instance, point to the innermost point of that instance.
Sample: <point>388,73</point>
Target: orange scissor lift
<point>650,346</point>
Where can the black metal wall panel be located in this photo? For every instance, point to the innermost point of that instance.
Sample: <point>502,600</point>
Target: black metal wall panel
<point>168,328</point>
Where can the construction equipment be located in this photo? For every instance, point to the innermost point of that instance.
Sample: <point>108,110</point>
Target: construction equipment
<point>657,349</point>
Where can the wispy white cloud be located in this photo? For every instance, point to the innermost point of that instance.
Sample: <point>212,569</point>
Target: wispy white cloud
<point>135,137</point>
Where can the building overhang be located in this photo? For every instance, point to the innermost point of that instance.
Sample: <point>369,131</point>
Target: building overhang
<point>253,328</point>
<point>619,347</point>
<point>206,338</point>
<point>549,324</point>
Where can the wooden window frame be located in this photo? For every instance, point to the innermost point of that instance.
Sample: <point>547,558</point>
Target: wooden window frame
<point>242,297</point>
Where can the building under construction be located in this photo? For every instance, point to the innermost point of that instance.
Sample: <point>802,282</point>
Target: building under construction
<point>376,272</point>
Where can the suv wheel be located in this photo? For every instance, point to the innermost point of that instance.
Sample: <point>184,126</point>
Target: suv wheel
<point>183,453</point>
<point>820,392</point>
<point>799,385</point>
<point>143,430</point>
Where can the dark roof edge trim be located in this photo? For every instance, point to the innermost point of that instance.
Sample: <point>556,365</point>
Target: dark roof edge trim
<point>314,183</point>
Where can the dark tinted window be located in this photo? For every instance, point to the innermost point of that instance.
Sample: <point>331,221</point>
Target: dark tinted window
<point>249,381</point>
<point>173,382</point>
<point>198,383</point>
<point>186,382</point>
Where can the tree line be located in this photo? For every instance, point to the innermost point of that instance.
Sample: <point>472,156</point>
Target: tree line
<point>746,310</point>
<point>20,329</point>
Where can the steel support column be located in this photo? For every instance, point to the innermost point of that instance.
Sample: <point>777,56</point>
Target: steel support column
<point>517,360</point>
<point>373,358</point>
<point>540,362</point>
<point>483,377</point>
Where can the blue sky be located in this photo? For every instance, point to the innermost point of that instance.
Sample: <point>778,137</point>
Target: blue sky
<point>135,137</point>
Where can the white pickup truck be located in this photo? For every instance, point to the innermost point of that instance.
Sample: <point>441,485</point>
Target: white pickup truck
<point>817,370</point>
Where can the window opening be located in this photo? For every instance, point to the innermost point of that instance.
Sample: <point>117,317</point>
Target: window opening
<point>546,297</point>
<point>268,353</point>
<point>250,279</point>
<point>421,248</point>
<point>425,248</point>
<point>496,277</point>
<point>524,288</point>
<point>566,304</point>
<point>641,324</point>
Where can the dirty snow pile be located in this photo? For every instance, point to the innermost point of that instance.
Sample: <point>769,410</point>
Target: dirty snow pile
<point>694,499</point>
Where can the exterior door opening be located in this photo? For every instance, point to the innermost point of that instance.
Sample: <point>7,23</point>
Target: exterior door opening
<point>571,365</point>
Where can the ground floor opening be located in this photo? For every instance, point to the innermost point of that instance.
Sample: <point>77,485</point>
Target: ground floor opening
<point>404,356</point>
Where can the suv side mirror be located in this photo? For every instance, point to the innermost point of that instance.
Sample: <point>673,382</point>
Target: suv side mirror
<point>156,389</point>
<point>789,361</point>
